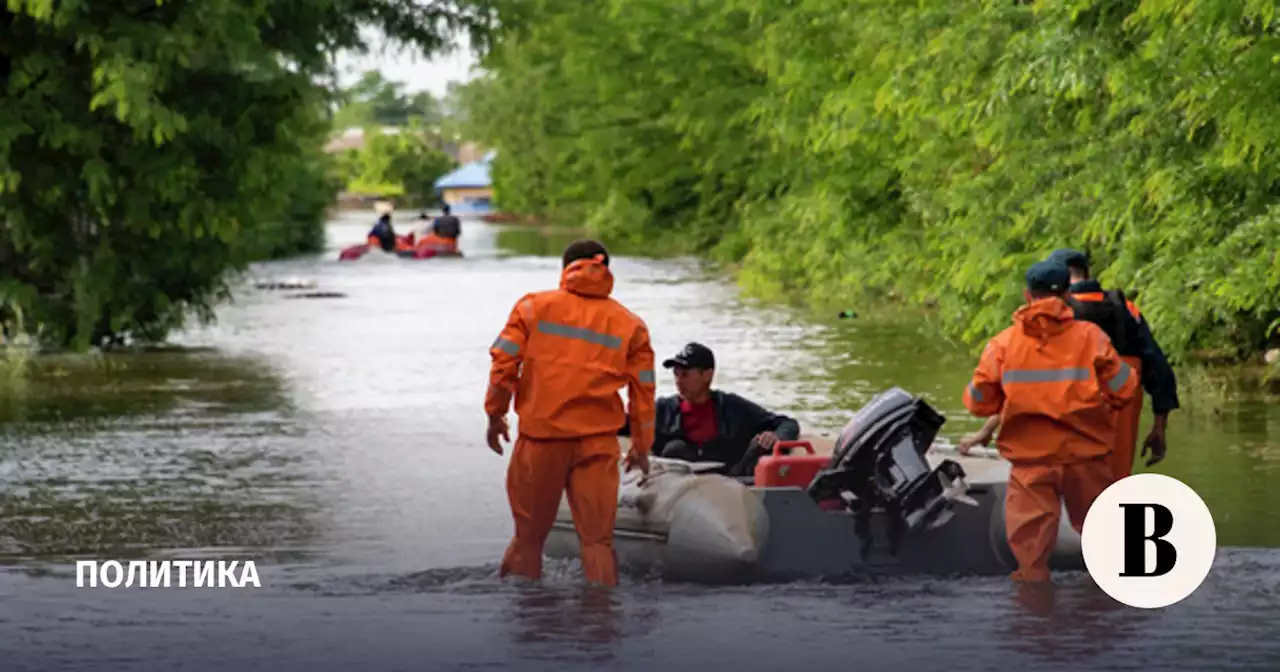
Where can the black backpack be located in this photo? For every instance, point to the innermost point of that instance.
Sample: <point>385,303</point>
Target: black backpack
<point>1112,315</point>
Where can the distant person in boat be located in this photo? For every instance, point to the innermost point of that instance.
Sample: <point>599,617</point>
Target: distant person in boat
<point>701,424</point>
<point>1131,336</point>
<point>383,233</point>
<point>442,236</point>
<point>564,354</point>
<point>1057,384</point>
<point>446,225</point>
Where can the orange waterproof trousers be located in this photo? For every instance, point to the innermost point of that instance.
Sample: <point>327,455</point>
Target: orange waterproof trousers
<point>1126,445</point>
<point>540,472</point>
<point>1033,508</point>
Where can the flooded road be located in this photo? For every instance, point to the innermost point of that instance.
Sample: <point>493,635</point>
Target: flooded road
<point>339,442</point>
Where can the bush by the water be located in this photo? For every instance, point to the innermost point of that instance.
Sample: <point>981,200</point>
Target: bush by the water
<point>926,149</point>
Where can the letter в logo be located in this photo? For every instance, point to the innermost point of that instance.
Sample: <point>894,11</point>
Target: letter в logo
<point>1149,541</point>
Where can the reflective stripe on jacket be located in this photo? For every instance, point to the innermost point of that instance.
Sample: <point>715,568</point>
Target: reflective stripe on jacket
<point>1057,384</point>
<point>565,353</point>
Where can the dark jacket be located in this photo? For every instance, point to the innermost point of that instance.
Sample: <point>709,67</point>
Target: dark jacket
<point>447,226</point>
<point>1158,379</point>
<point>384,232</point>
<point>739,420</point>
<point>382,227</point>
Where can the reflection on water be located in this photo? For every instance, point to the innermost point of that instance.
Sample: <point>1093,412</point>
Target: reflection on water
<point>1069,621</point>
<point>579,622</point>
<point>173,382</point>
<point>339,443</point>
<point>125,454</point>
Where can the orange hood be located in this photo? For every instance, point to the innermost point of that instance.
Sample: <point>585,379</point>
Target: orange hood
<point>587,277</point>
<point>1043,318</point>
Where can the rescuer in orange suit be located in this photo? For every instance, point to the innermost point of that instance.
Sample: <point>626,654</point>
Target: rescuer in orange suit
<point>1131,337</point>
<point>565,354</point>
<point>1057,384</point>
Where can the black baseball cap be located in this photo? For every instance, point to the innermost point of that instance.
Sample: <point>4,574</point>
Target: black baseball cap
<point>693,356</point>
<point>1070,258</point>
<point>1048,276</point>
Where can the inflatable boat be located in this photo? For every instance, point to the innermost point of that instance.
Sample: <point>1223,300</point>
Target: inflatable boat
<point>404,250</point>
<point>884,498</point>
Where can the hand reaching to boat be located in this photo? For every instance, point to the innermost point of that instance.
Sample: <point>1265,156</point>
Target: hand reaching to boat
<point>497,428</point>
<point>969,441</point>
<point>981,437</point>
<point>638,460</point>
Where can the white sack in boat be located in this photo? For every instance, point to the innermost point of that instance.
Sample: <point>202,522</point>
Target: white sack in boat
<point>715,527</point>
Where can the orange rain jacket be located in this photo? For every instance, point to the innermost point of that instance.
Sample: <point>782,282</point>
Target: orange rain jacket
<point>565,354</point>
<point>1057,384</point>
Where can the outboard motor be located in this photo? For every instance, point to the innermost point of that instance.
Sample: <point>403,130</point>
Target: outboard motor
<point>879,464</point>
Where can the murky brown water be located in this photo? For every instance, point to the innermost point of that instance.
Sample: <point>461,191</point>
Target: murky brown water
<point>339,441</point>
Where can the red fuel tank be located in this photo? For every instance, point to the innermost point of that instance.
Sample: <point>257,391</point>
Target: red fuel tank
<point>789,471</point>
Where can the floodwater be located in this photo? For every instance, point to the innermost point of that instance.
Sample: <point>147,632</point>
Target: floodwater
<point>338,442</point>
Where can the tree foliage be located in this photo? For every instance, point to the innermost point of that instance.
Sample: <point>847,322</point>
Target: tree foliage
<point>404,140</point>
<point>376,101</point>
<point>147,149</point>
<point>405,163</point>
<point>925,149</point>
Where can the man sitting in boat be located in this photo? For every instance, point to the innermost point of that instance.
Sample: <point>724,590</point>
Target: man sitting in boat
<point>701,424</point>
<point>442,236</point>
<point>447,226</point>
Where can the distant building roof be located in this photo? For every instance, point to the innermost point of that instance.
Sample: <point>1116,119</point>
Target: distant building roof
<point>475,174</point>
<point>353,138</point>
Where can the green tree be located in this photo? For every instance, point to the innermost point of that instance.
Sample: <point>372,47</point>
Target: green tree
<point>927,150</point>
<point>405,163</point>
<point>613,102</point>
<point>376,101</point>
<point>142,148</point>
<point>313,181</point>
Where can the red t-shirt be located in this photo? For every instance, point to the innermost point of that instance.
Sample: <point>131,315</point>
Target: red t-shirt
<point>699,421</point>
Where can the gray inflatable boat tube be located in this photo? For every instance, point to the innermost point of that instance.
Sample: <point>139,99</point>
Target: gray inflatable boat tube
<point>686,525</point>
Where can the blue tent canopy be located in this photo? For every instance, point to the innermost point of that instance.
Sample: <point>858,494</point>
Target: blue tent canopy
<point>472,175</point>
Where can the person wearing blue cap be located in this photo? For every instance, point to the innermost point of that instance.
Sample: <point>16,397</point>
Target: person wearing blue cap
<point>1056,384</point>
<point>1131,336</point>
